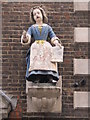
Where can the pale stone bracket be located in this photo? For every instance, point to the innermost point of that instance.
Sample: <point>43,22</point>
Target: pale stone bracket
<point>81,5</point>
<point>81,34</point>
<point>81,99</point>
<point>44,97</point>
<point>81,66</point>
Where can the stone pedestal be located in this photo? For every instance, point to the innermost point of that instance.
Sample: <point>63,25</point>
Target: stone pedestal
<point>44,97</point>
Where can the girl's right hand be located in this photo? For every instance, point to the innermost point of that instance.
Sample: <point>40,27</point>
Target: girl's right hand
<point>24,34</point>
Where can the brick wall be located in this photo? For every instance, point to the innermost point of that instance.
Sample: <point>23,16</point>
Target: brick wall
<point>63,19</point>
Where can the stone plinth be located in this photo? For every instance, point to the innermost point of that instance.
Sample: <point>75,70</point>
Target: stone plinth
<point>49,92</point>
<point>44,97</point>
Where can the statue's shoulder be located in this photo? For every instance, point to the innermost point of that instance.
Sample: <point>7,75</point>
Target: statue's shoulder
<point>44,24</point>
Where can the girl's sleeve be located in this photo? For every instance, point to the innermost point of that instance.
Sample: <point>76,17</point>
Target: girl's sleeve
<point>51,32</point>
<point>52,35</point>
<point>29,31</point>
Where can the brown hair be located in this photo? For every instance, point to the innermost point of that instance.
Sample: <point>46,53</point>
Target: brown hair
<point>45,19</point>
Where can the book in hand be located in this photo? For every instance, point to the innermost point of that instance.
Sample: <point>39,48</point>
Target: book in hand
<point>57,54</point>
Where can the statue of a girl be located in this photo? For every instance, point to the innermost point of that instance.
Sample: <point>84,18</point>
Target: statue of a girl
<point>40,68</point>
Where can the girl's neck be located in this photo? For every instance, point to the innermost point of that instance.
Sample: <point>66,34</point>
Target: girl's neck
<point>39,23</point>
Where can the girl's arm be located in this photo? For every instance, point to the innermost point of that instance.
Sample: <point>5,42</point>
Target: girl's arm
<point>54,40</point>
<point>25,38</point>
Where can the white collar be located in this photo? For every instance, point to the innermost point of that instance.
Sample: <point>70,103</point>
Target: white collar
<point>38,25</point>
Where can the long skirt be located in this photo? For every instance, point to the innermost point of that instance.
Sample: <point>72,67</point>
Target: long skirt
<point>39,65</point>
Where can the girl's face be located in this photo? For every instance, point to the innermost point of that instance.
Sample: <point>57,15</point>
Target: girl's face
<point>37,15</point>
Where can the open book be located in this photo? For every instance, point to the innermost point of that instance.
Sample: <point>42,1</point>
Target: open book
<point>57,54</point>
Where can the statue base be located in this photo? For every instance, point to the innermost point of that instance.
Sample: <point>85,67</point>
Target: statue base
<point>44,97</point>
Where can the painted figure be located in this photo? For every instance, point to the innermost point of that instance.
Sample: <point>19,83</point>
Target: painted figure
<point>40,67</point>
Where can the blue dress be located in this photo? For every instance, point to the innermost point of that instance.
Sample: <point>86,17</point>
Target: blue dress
<point>43,73</point>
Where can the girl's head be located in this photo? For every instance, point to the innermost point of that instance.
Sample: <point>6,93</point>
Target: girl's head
<point>37,14</point>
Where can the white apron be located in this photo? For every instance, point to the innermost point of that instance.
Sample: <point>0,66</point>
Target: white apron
<point>41,56</point>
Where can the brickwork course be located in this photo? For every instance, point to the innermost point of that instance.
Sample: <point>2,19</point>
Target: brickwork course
<point>63,19</point>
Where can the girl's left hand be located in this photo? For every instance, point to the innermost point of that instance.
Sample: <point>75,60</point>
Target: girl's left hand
<point>57,43</point>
